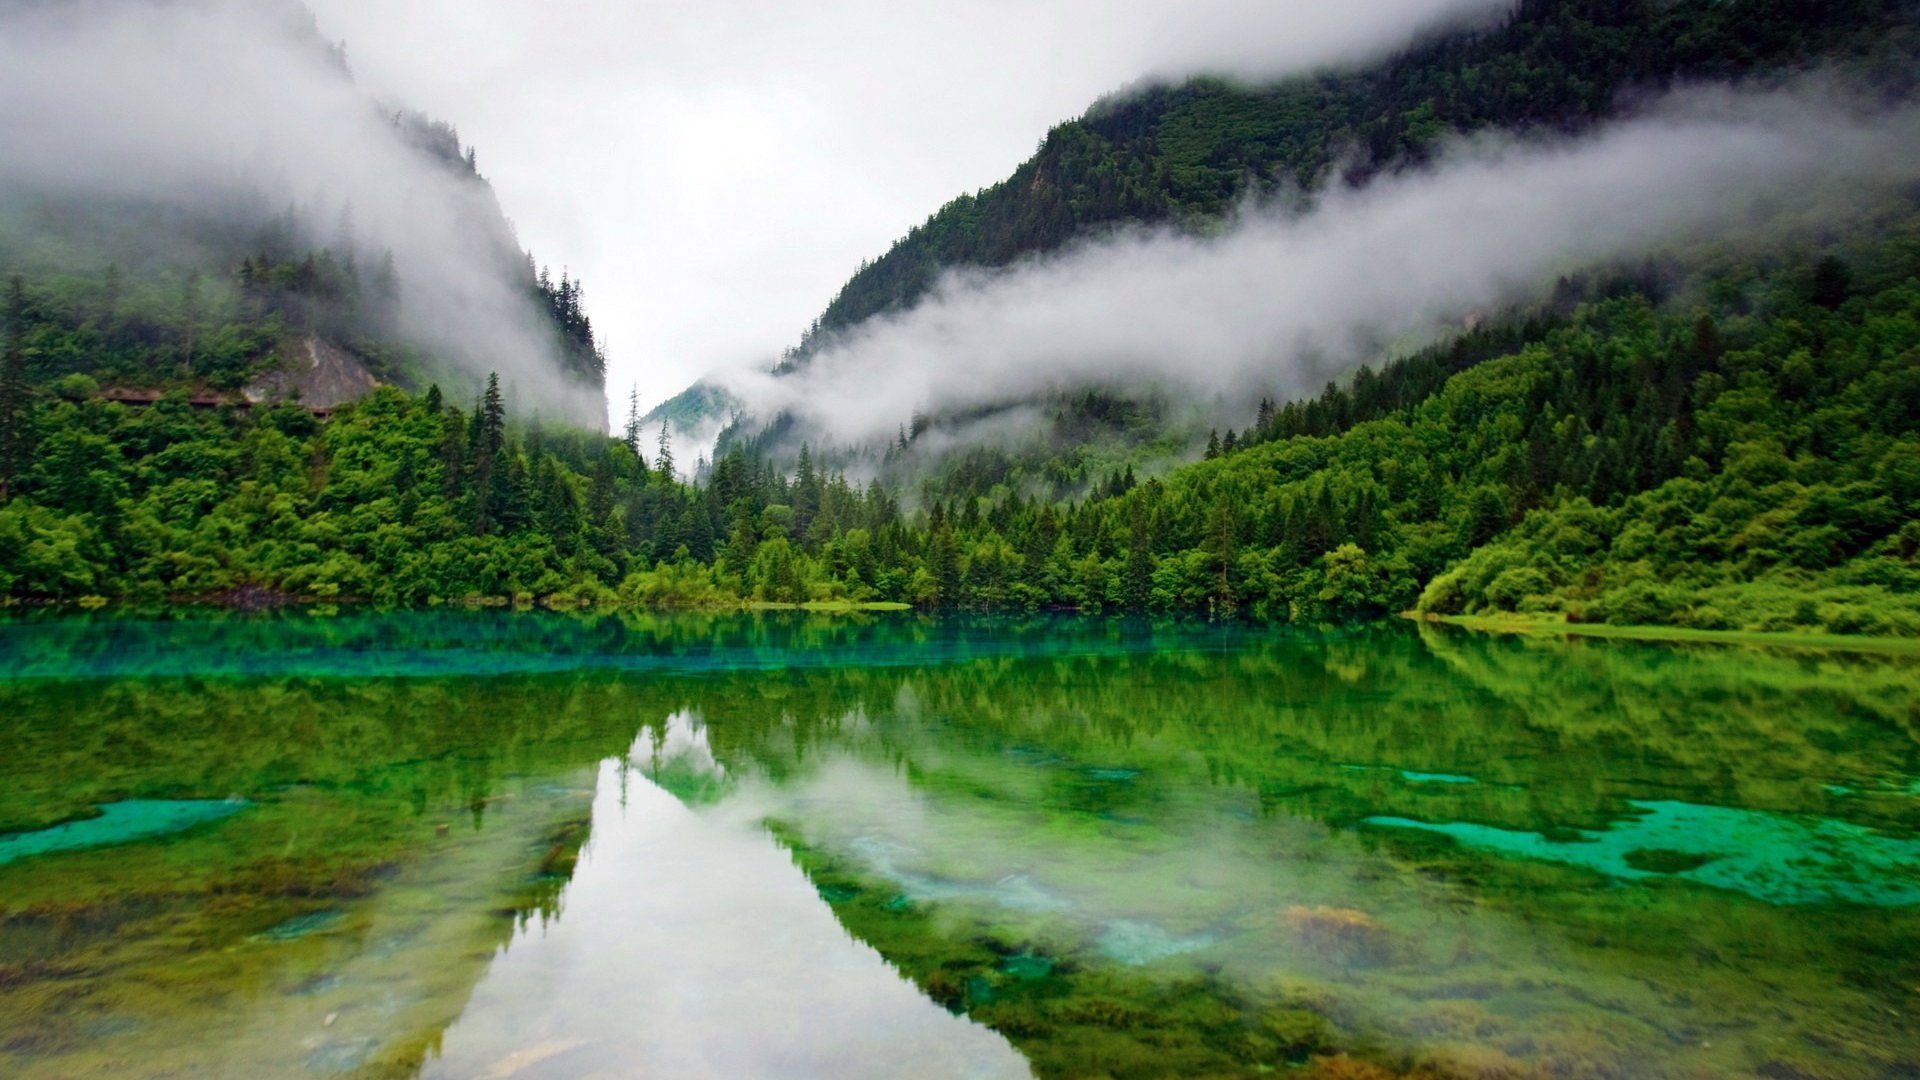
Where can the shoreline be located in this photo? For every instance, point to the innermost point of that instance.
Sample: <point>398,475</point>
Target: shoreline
<point>1673,635</point>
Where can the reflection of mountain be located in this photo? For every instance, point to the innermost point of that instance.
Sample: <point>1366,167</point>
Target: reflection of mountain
<point>692,948</point>
<point>1133,847</point>
<point>1125,858</point>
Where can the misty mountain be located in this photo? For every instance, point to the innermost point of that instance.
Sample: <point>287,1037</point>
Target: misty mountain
<point>198,196</point>
<point>1164,174</point>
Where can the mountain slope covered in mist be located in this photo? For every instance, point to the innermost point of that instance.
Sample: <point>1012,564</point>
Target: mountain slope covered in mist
<point>1185,160</point>
<point>197,197</point>
<point>1688,395</point>
<point>1186,153</point>
<point>1749,464</point>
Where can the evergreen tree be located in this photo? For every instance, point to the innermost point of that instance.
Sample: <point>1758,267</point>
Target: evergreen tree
<point>488,443</point>
<point>633,430</point>
<point>663,463</point>
<point>943,565</point>
<point>190,316</point>
<point>1137,577</point>
<point>15,451</point>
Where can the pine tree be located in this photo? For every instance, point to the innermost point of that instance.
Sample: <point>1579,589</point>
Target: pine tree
<point>1222,543</point>
<point>1137,577</point>
<point>806,493</point>
<point>943,563</point>
<point>1832,282</point>
<point>633,421</point>
<point>14,435</point>
<point>189,321</point>
<point>663,464</point>
<point>489,439</point>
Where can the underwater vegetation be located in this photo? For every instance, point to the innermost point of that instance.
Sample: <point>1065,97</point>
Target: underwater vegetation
<point>1127,850</point>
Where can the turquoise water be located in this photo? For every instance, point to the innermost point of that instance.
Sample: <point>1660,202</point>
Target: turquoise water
<point>1772,857</point>
<point>456,845</point>
<point>118,823</point>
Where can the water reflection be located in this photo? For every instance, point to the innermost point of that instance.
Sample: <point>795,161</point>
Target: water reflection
<point>692,946</point>
<point>838,846</point>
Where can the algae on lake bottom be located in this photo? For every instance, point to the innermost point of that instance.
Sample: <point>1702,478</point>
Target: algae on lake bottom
<point>1131,849</point>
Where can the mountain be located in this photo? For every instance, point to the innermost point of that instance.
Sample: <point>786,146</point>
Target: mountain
<point>1185,156</point>
<point>1701,411</point>
<point>221,210</point>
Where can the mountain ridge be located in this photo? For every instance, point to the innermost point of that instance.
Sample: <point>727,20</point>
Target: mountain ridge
<point>1184,154</point>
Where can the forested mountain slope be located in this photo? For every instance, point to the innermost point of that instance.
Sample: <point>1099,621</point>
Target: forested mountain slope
<point>1729,440</point>
<point>1185,155</point>
<point>198,229</point>
<point>1750,463</point>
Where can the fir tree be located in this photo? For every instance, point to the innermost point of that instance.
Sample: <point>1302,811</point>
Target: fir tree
<point>14,435</point>
<point>489,440</point>
<point>663,464</point>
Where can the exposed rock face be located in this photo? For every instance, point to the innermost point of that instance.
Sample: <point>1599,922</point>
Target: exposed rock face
<point>317,373</point>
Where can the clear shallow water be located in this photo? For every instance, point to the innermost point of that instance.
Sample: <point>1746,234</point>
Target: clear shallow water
<point>496,845</point>
<point>118,823</point>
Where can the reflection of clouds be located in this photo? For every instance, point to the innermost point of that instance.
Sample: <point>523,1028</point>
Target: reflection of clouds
<point>1017,891</point>
<point>693,947</point>
<point>360,984</point>
<point>1203,887</point>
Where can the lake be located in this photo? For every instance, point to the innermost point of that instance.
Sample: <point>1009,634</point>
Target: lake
<point>495,845</point>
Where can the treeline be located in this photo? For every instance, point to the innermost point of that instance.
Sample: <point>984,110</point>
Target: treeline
<point>1743,466</point>
<point>1751,461</point>
<point>1188,152</point>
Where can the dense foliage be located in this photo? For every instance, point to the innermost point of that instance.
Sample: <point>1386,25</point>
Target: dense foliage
<point>1748,461</point>
<point>1182,156</point>
<point>1733,443</point>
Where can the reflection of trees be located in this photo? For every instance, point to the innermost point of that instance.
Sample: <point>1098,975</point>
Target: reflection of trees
<point>410,810</point>
<point>1560,732</point>
<point>374,729</point>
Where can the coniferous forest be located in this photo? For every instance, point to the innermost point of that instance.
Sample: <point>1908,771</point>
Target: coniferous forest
<point>1400,569</point>
<point>1729,442</point>
<point>1753,465</point>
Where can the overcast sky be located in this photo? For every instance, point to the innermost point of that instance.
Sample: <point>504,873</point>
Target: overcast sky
<point>715,170</point>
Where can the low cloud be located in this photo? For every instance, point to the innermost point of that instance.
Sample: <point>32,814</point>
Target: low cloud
<point>1285,298</point>
<point>1257,42</point>
<point>229,112</point>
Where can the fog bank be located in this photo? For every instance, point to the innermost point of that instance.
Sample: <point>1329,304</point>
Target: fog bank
<point>234,112</point>
<point>1285,298</point>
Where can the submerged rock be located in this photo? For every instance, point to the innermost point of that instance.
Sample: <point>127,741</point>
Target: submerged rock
<point>342,1056</point>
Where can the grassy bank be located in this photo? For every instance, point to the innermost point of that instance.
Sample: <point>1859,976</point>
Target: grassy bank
<point>1557,625</point>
